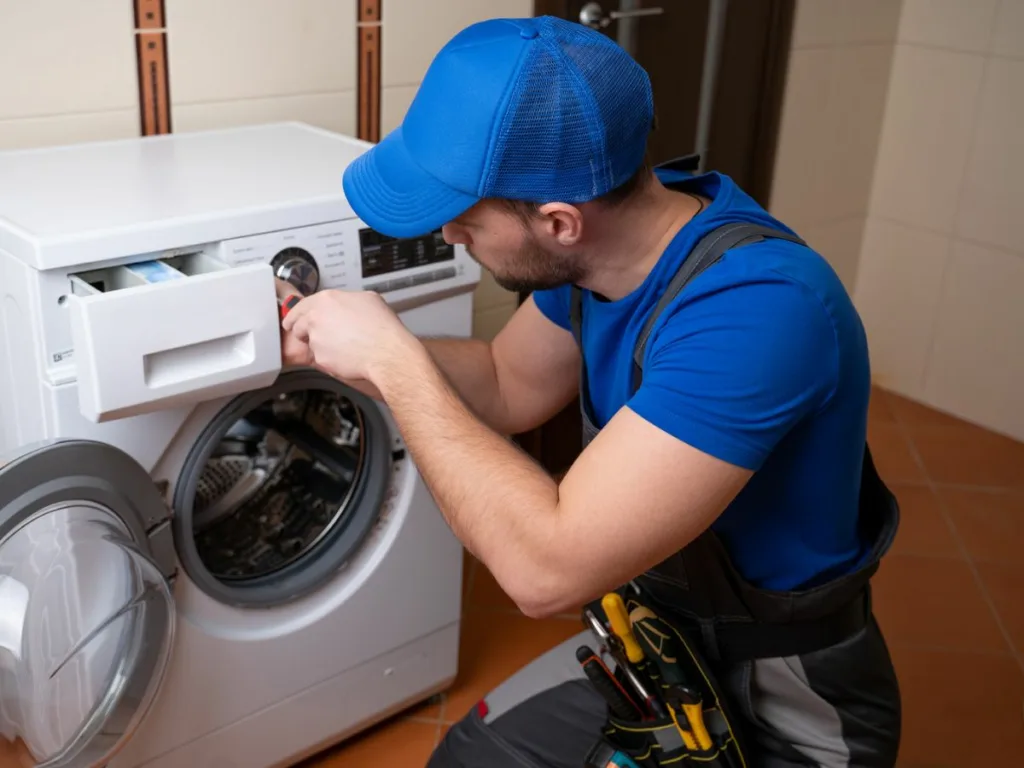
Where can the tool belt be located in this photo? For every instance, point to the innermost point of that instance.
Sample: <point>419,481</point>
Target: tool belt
<point>665,707</point>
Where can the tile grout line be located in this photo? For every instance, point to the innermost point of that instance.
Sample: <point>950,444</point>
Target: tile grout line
<point>944,510</point>
<point>442,713</point>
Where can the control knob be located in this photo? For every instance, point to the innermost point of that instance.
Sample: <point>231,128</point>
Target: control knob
<point>298,267</point>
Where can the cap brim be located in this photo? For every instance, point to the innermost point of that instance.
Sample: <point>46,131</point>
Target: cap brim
<point>393,195</point>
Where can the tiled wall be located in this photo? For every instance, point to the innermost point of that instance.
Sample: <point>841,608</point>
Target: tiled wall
<point>831,120</point>
<point>40,43</point>
<point>941,278</point>
<point>234,62</point>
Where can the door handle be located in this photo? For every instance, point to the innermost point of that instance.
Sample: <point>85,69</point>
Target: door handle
<point>592,15</point>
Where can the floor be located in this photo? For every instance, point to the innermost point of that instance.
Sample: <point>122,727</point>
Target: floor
<point>950,599</point>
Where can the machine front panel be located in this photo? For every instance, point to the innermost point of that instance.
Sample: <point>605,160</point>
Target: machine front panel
<point>351,256</point>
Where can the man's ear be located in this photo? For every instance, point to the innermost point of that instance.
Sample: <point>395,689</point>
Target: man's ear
<point>562,222</point>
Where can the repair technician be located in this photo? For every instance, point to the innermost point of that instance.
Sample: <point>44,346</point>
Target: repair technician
<point>724,468</point>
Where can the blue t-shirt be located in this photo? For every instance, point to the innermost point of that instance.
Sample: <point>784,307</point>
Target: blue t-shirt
<point>761,361</point>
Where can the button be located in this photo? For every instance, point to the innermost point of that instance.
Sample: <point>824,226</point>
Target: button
<point>400,283</point>
<point>446,274</point>
<point>528,33</point>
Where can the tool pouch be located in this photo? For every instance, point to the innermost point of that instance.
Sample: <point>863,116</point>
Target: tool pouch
<point>673,740</point>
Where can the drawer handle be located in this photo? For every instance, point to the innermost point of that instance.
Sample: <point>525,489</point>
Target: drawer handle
<point>196,361</point>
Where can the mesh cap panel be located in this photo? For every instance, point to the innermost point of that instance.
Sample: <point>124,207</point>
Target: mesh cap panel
<point>576,122</point>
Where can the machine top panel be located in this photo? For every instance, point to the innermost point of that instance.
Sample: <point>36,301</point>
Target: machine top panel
<point>72,205</point>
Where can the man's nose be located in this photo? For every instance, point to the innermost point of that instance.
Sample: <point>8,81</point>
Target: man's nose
<point>454,235</point>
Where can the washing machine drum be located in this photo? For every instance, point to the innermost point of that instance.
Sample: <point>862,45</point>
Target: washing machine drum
<point>281,490</point>
<point>86,612</point>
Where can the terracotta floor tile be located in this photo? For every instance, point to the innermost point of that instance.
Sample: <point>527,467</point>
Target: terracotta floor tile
<point>914,414</point>
<point>970,455</point>
<point>487,594</point>
<point>891,452</point>
<point>878,406</point>
<point>1005,585</point>
<point>469,565</point>
<point>934,602</point>
<point>923,528</point>
<point>395,744</point>
<point>428,710</point>
<point>991,523</point>
<point>496,644</point>
<point>960,709</point>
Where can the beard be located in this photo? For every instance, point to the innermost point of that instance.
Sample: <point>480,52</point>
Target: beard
<point>533,268</point>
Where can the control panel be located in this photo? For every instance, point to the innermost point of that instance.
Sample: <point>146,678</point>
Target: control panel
<point>351,256</point>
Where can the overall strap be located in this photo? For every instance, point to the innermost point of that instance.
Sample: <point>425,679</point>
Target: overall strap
<point>708,250</point>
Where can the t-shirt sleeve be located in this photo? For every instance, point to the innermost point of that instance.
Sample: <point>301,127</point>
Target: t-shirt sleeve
<point>554,305</point>
<point>739,368</point>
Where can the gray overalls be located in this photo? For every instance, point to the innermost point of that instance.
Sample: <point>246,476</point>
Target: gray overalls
<point>806,673</point>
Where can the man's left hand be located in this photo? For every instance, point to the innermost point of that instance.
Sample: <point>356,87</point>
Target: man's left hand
<point>350,334</point>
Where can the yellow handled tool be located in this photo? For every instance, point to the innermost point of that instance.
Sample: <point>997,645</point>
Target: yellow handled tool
<point>615,609</point>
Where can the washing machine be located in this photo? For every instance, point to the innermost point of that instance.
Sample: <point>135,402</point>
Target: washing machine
<point>206,561</point>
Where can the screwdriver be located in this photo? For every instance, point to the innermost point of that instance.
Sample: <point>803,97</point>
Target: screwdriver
<point>621,705</point>
<point>615,610</point>
<point>286,305</point>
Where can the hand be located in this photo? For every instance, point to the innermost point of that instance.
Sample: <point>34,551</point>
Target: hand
<point>294,352</point>
<point>350,335</point>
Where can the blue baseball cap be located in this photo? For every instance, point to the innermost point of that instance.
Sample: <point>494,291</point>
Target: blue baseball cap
<point>537,109</point>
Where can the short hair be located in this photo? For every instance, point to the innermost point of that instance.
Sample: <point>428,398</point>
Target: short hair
<point>620,195</point>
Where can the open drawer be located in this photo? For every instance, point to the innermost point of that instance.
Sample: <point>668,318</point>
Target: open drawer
<point>166,333</point>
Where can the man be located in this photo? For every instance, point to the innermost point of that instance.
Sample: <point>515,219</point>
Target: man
<point>526,144</point>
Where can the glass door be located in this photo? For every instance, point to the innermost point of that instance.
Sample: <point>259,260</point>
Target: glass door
<point>86,612</point>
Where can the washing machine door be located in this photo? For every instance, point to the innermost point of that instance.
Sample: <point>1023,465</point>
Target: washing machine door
<point>86,612</point>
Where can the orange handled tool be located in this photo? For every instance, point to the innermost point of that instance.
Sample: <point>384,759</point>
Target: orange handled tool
<point>287,304</point>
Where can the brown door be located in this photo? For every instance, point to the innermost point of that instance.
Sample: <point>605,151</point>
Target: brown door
<point>717,70</point>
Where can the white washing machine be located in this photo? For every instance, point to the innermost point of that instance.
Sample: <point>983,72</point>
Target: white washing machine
<point>206,562</point>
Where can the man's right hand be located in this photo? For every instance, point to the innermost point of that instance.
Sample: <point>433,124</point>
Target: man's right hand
<point>294,353</point>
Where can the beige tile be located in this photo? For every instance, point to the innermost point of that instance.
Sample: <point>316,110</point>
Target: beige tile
<point>1008,39</point>
<point>993,199</point>
<point>414,31</point>
<point>899,283</point>
<point>237,49</point>
<point>857,97</point>
<point>332,111</point>
<point>490,295</point>
<point>840,243</point>
<point>977,365</point>
<point>66,57</point>
<point>832,119</point>
<point>394,103</point>
<point>817,23</point>
<point>797,195</point>
<point>68,129</point>
<point>965,25</point>
<point>869,21</point>
<point>926,138</point>
<point>488,322</point>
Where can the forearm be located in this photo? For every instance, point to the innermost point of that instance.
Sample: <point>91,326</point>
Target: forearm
<point>498,502</point>
<point>468,366</point>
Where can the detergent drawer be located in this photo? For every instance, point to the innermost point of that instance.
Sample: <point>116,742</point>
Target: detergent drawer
<point>176,331</point>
